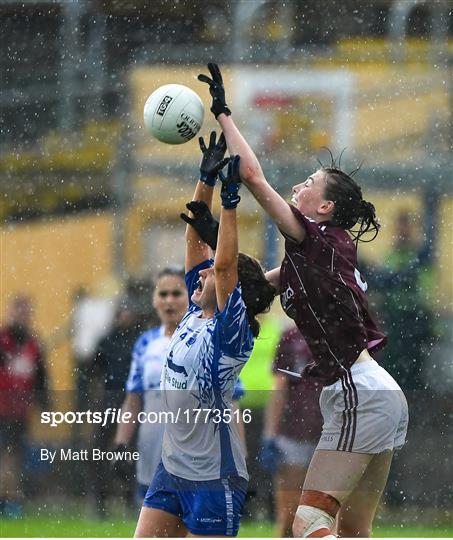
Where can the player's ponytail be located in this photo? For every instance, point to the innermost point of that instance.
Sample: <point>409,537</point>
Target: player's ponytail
<point>257,292</point>
<point>368,222</point>
<point>350,207</point>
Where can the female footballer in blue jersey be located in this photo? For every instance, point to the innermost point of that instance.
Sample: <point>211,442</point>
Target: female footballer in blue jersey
<point>364,410</point>
<point>143,393</point>
<point>200,486</point>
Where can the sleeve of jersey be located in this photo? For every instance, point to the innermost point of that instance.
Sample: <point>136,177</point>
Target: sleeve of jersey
<point>192,277</point>
<point>134,383</point>
<point>235,334</point>
<point>310,226</point>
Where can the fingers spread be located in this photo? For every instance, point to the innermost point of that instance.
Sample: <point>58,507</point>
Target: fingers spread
<point>186,218</point>
<point>212,139</point>
<point>223,162</point>
<point>205,78</point>
<point>235,169</point>
<point>202,144</point>
<point>215,72</point>
<point>196,207</point>
<point>221,143</point>
<point>236,160</point>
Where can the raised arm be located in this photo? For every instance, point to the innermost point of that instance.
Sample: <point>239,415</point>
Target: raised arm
<point>250,171</point>
<point>253,177</point>
<point>226,257</point>
<point>273,276</point>
<point>212,161</point>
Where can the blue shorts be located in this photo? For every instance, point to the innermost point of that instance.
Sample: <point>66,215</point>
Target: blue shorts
<point>211,507</point>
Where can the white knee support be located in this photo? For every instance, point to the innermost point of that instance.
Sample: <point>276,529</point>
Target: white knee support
<point>314,519</point>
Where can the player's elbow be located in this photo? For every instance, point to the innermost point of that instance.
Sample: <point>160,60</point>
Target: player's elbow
<point>251,174</point>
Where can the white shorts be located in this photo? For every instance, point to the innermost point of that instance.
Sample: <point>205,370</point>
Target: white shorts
<point>365,412</point>
<point>295,452</point>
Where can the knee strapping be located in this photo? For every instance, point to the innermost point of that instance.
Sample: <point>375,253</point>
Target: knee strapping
<point>314,519</point>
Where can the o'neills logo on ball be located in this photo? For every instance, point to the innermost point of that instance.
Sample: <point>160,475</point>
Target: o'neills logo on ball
<point>163,105</point>
<point>187,126</point>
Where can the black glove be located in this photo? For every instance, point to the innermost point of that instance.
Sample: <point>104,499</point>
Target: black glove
<point>122,468</point>
<point>204,223</point>
<point>231,184</point>
<point>216,89</point>
<point>212,160</point>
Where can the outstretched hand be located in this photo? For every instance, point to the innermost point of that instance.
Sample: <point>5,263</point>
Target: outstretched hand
<point>213,158</point>
<point>203,222</point>
<point>231,184</point>
<point>216,89</point>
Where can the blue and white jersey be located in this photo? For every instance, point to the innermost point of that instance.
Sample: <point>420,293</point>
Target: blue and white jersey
<point>204,360</point>
<point>148,358</point>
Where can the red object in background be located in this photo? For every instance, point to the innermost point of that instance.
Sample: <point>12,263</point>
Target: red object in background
<point>273,101</point>
<point>20,367</point>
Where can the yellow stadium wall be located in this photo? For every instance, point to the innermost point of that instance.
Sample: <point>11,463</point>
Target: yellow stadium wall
<point>48,261</point>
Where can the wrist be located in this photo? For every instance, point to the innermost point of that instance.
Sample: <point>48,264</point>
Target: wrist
<point>224,120</point>
<point>226,111</point>
<point>208,179</point>
<point>230,203</point>
<point>218,109</point>
<point>223,115</point>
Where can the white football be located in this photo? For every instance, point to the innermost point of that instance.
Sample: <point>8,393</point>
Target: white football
<point>173,114</point>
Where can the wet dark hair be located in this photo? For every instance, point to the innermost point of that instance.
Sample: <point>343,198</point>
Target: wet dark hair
<point>257,292</point>
<point>350,207</point>
<point>172,270</point>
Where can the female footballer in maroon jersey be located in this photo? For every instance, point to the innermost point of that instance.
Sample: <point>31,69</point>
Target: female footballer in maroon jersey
<point>364,410</point>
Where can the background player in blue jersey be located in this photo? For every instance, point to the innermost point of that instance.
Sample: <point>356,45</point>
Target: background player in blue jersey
<point>200,486</point>
<point>143,384</point>
<point>364,410</point>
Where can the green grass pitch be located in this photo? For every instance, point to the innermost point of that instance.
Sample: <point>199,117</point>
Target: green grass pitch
<point>64,526</point>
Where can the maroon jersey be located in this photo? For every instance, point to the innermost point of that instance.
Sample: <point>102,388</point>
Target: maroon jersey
<point>301,414</point>
<point>324,293</point>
